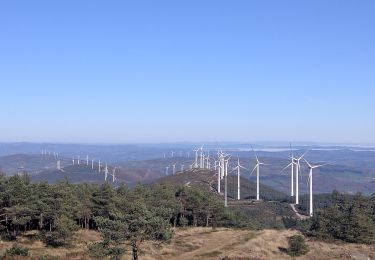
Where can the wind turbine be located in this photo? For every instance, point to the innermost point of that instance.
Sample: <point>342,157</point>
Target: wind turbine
<point>73,160</point>
<point>182,167</point>
<point>310,180</point>
<point>291,165</point>
<point>78,159</point>
<point>257,167</point>
<point>87,160</point>
<point>196,158</point>
<point>58,166</point>
<point>166,170</point>
<point>99,165</point>
<point>219,172</point>
<point>238,168</point>
<point>226,180</point>
<point>172,153</point>
<point>92,164</point>
<point>113,174</point>
<point>105,172</point>
<point>298,171</point>
<point>201,157</point>
<point>174,168</point>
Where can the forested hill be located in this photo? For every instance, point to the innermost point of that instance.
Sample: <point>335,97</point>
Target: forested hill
<point>207,179</point>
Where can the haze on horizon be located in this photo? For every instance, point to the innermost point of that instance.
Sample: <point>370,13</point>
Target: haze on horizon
<point>167,71</point>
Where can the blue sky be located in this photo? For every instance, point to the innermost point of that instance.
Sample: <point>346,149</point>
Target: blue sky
<point>166,71</point>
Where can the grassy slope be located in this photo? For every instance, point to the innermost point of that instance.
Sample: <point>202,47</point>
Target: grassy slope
<point>205,243</point>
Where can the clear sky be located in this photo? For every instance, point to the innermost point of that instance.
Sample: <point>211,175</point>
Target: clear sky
<point>165,71</point>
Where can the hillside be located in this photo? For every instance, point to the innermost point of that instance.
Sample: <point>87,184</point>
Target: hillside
<point>203,243</point>
<point>267,213</point>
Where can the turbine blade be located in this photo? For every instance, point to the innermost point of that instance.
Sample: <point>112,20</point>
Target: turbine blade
<point>253,169</point>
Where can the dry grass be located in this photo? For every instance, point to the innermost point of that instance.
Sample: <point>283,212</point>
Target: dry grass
<point>204,243</point>
<point>37,250</point>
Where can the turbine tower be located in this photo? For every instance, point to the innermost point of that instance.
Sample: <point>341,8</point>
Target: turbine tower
<point>310,180</point>
<point>92,164</point>
<point>99,165</point>
<point>201,163</point>
<point>105,172</point>
<point>196,158</point>
<point>238,168</point>
<point>73,160</point>
<point>298,171</point>
<point>226,181</point>
<point>58,166</point>
<point>87,160</point>
<point>166,170</point>
<point>182,167</point>
<point>291,165</point>
<point>257,167</point>
<point>174,168</point>
<point>113,174</point>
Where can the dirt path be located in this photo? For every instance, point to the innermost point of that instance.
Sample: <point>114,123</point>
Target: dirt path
<point>210,245</point>
<point>301,217</point>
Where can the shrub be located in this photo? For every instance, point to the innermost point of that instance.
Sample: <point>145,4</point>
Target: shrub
<point>297,246</point>
<point>17,250</point>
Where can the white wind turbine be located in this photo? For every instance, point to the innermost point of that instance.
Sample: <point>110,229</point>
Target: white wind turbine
<point>201,157</point>
<point>106,172</point>
<point>196,158</point>
<point>99,165</point>
<point>226,162</point>
<point>257,167</point>
<point>113,174</point>
<point>182,167</point>
<point>87,160</point>
<point>166,170</point>
<point>220,168</point>
<point>298,171</point>
<point>174,168</point>
<point>291,165</point>
<point>310,180</point>
<point>238,168</point>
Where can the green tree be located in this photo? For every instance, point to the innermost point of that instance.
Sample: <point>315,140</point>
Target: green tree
<point>297,246</point>
<point>133,223</point>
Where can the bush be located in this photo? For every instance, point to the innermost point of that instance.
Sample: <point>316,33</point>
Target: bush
<point>17,250</point>
<point>297,246</point>
<point>101,250</point>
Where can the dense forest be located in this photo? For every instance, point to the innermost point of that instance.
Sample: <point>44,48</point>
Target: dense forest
<point>127,216</point>
<point>121,214</point>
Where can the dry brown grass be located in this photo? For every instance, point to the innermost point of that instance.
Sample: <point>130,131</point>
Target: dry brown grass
<point>204,243</point>
<point>77,250</point>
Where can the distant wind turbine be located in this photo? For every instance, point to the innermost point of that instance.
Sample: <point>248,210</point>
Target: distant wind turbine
<point>166,170</point>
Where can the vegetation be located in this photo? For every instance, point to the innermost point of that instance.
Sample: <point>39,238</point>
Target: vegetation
<point>126,218</point>
<point>297,246</point>
<point>17,250</point>
<point>122,215</point>
<point>349,218</point>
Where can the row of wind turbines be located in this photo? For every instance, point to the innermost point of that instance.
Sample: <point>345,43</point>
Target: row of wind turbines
<point>76,160</point>
<point>220,166</point>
